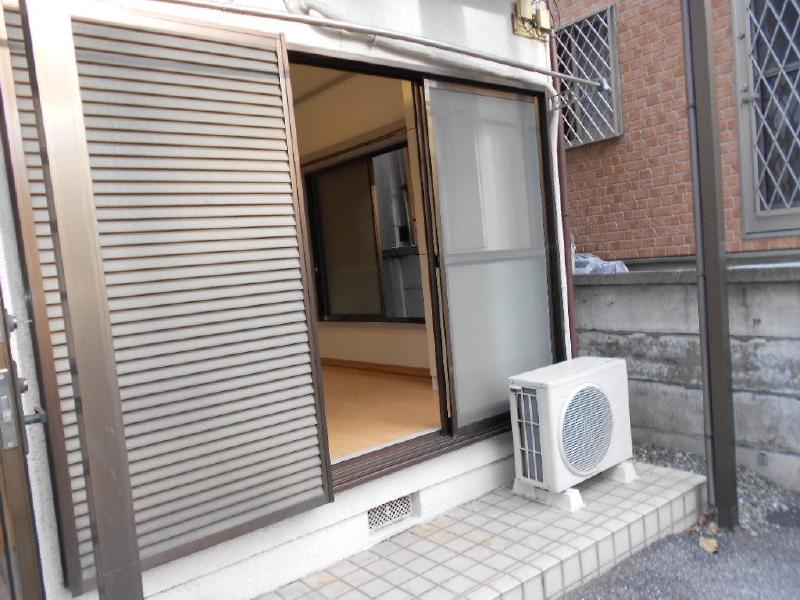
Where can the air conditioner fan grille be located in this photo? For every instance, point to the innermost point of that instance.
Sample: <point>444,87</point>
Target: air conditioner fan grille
<point>588,426</point>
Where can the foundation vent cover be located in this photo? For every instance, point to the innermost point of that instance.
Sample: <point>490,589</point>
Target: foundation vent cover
<point>389,512</point>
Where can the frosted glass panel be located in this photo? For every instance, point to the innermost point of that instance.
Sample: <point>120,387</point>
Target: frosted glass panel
<point>493,253</point>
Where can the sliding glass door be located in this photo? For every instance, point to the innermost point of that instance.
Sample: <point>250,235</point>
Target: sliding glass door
<point>493,271</point>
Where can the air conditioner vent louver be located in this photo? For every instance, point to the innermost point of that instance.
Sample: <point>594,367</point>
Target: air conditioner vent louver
<point>530,434</point>
<point>587,430</point>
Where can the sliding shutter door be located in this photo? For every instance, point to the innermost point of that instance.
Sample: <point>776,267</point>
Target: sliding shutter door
<point>197,213</point>
<point>74,511</point>
<point>193,168</point>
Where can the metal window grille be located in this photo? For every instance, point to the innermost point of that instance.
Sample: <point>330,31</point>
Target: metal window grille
<point>529,434</point>
<point>774,28</point>
<point>389,512</point>
<point>588,48</point>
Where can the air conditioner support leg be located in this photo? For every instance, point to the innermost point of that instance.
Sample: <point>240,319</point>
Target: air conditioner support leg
<point>624,472</point>
<point>569,500</point>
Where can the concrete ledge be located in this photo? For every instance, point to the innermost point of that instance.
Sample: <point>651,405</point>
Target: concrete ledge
<point>735,275</point>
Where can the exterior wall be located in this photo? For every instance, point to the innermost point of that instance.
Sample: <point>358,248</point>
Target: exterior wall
<point>265,558</point>
<point>651,320</point>
<point>631,197</point>
<point>270,557</point>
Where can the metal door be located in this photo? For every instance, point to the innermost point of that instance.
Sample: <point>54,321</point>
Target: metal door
<point>20,574</point>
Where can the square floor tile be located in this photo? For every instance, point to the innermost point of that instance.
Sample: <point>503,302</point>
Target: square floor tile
<point>459,584</point>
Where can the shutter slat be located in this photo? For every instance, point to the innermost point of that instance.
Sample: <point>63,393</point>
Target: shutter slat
<point>195,209</point>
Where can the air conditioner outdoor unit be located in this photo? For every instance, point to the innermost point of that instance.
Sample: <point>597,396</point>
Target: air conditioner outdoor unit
<point>570,421</point>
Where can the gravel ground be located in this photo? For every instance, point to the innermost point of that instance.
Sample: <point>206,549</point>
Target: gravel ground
<point>761,559</point>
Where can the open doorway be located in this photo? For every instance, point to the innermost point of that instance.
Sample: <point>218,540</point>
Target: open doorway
<point>367,233</point>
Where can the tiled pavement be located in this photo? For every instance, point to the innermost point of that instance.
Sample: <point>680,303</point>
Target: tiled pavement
<point>505,546</point>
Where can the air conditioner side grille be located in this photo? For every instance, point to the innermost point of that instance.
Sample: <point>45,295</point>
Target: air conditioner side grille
<point>586,432</point>
<point>529,434</point>
<point>389,512</point>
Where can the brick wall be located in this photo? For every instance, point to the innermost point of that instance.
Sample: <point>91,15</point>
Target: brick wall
<point>631,197</point>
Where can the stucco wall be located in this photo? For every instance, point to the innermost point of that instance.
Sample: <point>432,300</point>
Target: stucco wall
<point>253,563</point>
<point>651,319</point>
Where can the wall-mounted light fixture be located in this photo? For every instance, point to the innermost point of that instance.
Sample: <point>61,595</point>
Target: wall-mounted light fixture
<point>531,18</point>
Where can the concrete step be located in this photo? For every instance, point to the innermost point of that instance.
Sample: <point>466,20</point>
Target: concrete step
<point>506,546</point>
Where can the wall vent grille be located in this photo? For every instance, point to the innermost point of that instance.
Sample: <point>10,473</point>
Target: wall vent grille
<point>529,434</point>
<point>389,512</point>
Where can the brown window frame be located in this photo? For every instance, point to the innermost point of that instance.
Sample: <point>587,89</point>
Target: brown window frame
<point>372,465</point>
<point>315,229</point>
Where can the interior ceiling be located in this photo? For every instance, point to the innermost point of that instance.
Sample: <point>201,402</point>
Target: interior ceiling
<point>307,79</point>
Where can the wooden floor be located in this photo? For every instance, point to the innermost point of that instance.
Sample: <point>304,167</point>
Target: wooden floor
<point>366,409</point>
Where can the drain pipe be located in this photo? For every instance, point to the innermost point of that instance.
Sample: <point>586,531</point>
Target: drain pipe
<point>569,261</point>
<point>712,285</point>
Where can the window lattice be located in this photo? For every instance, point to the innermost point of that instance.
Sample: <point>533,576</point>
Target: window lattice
<point>774,28</point>
<point>587,48</point>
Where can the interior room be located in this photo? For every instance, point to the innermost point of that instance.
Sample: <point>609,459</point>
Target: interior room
<point>367,237</point>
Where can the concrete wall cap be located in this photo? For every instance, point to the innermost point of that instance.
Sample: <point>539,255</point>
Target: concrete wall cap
<point>776,274</point>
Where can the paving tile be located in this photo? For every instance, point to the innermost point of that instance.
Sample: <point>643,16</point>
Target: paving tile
<point>342,568</point>
<point>514,593</point>
<point>420,565</point>
<point>483,592</point>
<point>380,566</point>
<point>460,528</point>
<point>395,594</point>
<point>439,574</point>
<point>459,563</point>
<point>386,548</point>
<point>362,559</point>
<point>503,582</point>
<point>319,579</point>
<point>459,585</point>
<point>480,572</point>
<point>294,590</point>
<point>335,589</point>
<point>354,595</point>
<point>500,562</point>
<point>440,554</point>
<point>422,546</point>
<point>398,575</point>
<point>459,545</point>
<point>479,553</point>
<point>438,594</point>
<point>441,536</point>
<point>376,587</point>
<point>403,556</point>
<point>358,577</point>
<point>417,586</point>
<point>478,535</point>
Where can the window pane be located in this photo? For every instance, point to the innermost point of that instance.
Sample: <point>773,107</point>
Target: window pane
<point>402,280</point>
<point>349,260</point>
<point>493,255</point>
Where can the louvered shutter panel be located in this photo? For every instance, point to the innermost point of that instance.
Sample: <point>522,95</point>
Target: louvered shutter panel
<point>202,250</point>
<point>51,286</point>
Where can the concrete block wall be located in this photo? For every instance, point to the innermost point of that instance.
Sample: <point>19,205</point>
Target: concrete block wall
<point>651,319</point>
